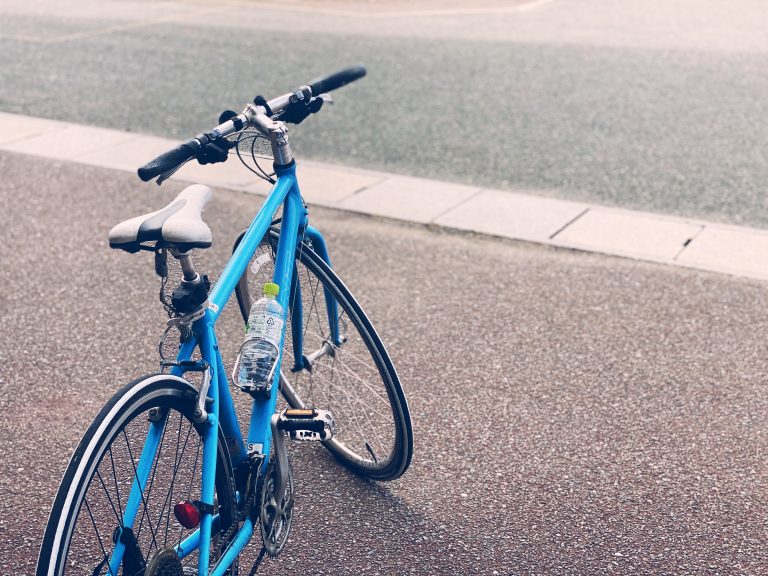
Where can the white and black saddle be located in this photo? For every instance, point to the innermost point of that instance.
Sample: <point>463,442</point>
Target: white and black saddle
<point>179,225</point>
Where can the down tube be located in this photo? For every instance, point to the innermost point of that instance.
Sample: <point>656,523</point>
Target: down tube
<point>294,218</point>
<point>248,245</point>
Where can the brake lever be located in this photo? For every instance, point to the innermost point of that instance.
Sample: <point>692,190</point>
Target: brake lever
<point>297,111</point>
<point>215,151</point>
<point>165,175</point>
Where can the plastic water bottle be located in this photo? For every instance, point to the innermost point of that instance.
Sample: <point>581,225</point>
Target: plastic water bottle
<point>261,348</point>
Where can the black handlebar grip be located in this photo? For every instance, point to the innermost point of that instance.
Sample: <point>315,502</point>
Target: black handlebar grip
<point>169,160</point>
<point>336,80</point>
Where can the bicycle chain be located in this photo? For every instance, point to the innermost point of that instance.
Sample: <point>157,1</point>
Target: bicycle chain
<point>227,538</point>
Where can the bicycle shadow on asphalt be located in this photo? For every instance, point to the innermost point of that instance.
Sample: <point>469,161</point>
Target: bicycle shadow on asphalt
<point>345,524</point>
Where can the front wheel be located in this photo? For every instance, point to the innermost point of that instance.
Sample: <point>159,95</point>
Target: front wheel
<point>353,377</point>
<point>91,512</point>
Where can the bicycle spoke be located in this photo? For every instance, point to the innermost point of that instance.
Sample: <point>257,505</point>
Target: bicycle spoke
<point>138,483</point>
<point>347,354</point>
<point>350,356</point>
<point>355,416</point>
<point>313,307</point>
<point>98,536</point>
<point>117,486</point>
<point>109,498</point>
<point>168,500</point>
<point>347,390</point>
<point>374,427</point>
<point>152,478</point>
<point>170,492</point>
<point>189,487</point>
<point>343,368</point>
<point>366,416</point>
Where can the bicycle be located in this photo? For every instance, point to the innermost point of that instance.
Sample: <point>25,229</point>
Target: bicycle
<point>163,481</point>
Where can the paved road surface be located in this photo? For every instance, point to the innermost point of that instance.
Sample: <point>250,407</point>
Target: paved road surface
<point>574,414</point>
<point>654,105</point>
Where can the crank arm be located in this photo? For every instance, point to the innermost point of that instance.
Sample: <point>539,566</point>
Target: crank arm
<point>282,465</point>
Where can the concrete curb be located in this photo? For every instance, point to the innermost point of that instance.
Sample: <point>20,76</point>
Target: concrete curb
<point>514,215</point>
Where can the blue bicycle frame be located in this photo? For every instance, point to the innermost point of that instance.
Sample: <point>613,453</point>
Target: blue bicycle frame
<point>222,412</point>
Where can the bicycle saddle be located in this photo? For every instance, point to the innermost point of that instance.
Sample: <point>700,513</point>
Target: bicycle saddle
<point>179,224</point>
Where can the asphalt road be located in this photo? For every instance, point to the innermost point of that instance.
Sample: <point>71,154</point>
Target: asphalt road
<point>656,105</point>
<point>573,413</point>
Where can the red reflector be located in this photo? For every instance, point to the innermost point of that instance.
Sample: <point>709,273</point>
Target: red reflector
<point>187,514</point>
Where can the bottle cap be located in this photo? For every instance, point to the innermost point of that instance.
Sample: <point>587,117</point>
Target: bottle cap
<point>271,289</point>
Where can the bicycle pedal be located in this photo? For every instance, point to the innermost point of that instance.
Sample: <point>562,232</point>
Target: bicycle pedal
<point>307,424</point>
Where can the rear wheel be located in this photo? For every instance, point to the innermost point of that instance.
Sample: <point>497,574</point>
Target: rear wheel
<point>353,378</point>
<point>89,509</point>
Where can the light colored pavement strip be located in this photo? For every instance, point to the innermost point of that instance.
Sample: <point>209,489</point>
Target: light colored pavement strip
<point>519,216</point>
<point>14,127</point>
<point>412,199</point>
<point>512,215</point>
<point>630,234</point>
<point>731,250</point>
<point>69,142</point>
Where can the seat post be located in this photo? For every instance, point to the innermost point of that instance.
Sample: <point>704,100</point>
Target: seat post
<point>187,265</point>
<point>192,291</point>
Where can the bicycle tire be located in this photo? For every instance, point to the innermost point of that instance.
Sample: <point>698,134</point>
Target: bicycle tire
<point>394,433</point>
<point>76,511</point>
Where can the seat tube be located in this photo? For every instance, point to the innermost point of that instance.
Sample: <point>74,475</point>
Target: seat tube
<point>209,351</point>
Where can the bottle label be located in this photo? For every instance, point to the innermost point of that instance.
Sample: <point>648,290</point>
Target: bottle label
<point>259,262</point>
<point>268,327</point>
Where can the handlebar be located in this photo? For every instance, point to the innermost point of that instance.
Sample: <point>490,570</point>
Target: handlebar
<point>336,80</point>
<point>212,146</point>
<point>168,161</point>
